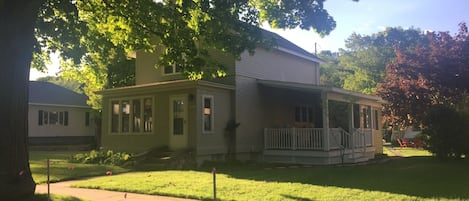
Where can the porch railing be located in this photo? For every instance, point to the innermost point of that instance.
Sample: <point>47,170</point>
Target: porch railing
<point>363,137</point>
<point>293,138</point>
<point>313,138</point>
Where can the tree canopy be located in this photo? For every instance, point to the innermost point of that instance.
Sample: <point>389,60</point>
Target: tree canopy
<point>362,64</point>
<point>94,37</point>
<point>93,34</point>
<point>428,75</point>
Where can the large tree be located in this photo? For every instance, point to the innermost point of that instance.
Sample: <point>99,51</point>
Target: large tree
<point>185,27</point>
<point>366,56</point>
<point>427,76</point>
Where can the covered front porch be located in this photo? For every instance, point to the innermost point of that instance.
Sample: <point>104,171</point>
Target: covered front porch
<point>312,124</point>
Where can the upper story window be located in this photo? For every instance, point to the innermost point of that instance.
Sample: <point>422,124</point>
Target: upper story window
<point>173,69</point>
<point>132,115</point>
<point>53,118</point>
<point>207,112</point>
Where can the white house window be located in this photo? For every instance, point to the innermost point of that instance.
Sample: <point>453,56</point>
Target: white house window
<point>147,115</point>
<point>304,114</point>
<point>207,113</point>
<point>127,115</point>
<point>366,116</point>
<point>53,118</point>
<point>173,69</point>
<point>115,116</point>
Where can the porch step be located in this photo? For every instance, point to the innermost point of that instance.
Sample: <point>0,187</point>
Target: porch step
<point>166,159</point>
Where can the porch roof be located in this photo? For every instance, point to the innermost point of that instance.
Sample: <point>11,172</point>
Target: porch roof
<point>163,86</point>
<point>317,88</point>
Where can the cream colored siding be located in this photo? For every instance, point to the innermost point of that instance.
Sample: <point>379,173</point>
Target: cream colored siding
<point>276,65</point>
<point>249,113</point>
<point>213,142</point>
<point>76,122</point>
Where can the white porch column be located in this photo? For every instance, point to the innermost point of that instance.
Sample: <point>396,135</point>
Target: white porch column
<point>325,121</point>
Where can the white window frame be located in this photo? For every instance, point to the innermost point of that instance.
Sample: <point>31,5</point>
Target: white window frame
<point>62,118</point>
<point>173,72</point>
<point>131,116</point>
<point>308,116</point>
<point>212,114</point>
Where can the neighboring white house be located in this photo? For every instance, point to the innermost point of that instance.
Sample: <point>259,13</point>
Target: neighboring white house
<point>58,116</point>
<point>285,115</point>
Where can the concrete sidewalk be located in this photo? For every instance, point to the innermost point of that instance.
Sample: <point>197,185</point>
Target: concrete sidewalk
<point>63,188</point>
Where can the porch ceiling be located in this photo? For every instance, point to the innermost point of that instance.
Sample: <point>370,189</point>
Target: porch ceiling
<point>316,89</point>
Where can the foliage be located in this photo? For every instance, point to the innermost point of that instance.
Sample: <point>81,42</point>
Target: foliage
<point>94,37</point>
<point>411,178</point>
<point>448,132</point>
<point>426,76</point>
<point>330,72</point>
<point>102,157</point>
<point>366,56</point>
<point>61,169</point>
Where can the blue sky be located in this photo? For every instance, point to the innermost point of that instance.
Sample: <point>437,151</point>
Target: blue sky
<point>372,16</point>
<point>368,17</point>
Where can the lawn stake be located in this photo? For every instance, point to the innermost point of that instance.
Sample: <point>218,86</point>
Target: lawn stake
<point>48,179</point>
<point>214,173</point>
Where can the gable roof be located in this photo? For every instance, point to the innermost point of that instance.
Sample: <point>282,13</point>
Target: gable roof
<point>287,46</point>
<point>46,93</point>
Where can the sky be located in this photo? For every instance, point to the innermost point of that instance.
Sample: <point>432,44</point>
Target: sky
<point>366,17</point>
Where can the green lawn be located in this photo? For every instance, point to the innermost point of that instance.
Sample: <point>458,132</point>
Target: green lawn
<point>61,170</point>
<point>415,177</point>
<point>411,178</point>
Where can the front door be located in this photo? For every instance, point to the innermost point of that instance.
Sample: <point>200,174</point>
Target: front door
<point>178,122</point>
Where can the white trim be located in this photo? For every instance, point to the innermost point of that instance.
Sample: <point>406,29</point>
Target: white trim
<point>212,114</point>
<point>300,55</point>
<point>57,105</point>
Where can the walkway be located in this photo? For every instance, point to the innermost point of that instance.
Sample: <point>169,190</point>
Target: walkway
<point>63,188</point>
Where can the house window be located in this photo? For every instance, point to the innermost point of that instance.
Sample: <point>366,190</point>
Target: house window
<point>137,114</point>
<point>356,116</point>
<point>114,116</point>
<point>207,112</point>
<point>304,114</point>
<point>376,120</point>
<point>127,115</point>
<point>366,117</point>
<point>173,69</point>
<point>87,118</point>
<point>147,115</point>
<point>53,118</point>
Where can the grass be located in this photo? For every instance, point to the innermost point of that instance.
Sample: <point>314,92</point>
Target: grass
<point>61,169</point>
<point>412,152</point>
<point>410,178</point>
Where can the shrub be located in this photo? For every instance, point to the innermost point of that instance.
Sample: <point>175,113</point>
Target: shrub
<point>108,157</point>
<point>448,132</point>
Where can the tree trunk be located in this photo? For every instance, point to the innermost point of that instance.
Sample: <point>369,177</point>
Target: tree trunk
<point>17,20</point>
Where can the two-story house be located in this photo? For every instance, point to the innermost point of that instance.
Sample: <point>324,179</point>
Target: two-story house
<point>284,114</point>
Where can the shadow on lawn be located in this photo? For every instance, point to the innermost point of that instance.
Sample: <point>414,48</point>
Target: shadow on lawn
<point>415,176</point>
